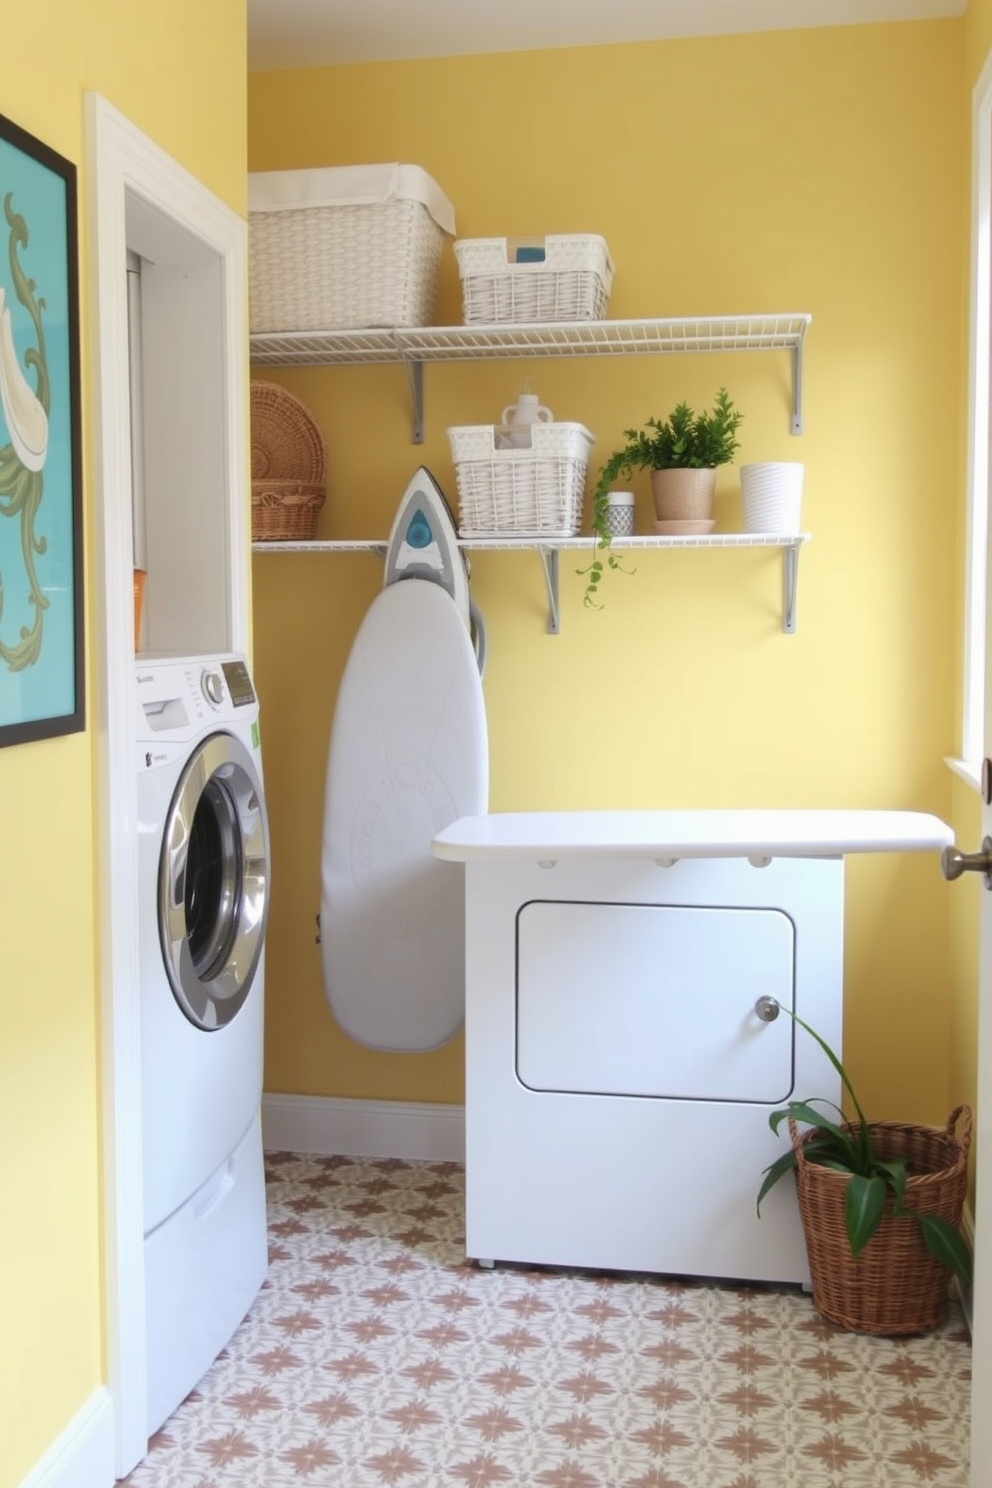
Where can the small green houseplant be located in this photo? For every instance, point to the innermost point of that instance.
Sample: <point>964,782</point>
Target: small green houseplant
<point>685,440</point>
<point>875,1183</point>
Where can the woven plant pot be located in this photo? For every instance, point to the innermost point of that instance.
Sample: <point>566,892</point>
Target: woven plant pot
<point>895,1286</point>
<point>683,494</point>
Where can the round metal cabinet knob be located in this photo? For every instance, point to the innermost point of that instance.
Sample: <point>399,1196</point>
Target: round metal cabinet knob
<point>767,1009</point>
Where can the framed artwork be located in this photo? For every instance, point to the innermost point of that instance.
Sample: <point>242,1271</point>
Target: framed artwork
<point>41,540</point>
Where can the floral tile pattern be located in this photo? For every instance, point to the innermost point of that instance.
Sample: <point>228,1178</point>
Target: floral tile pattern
<point>376,1356</point>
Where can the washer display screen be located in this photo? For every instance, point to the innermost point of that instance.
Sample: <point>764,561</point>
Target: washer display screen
<point>238,683</point>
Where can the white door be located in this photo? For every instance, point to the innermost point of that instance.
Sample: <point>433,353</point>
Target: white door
<point>978,719</point>
<point>953,864</point>
<point>981,1387</point>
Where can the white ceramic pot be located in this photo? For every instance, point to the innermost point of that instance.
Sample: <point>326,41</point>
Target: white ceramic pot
<point>620,513</point>
<point>772,496</point>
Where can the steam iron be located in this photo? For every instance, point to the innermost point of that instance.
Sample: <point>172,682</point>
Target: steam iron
<point>423,543</point>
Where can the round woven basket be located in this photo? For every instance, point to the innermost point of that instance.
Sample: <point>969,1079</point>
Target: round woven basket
<point>285,511</point>
<point>288,466</point>
<point>895,1286</point>
<point>286,444</point>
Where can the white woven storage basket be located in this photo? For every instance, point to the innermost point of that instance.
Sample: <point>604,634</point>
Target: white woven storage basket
<point>535,492</point>
<point>572,283</point>
<point>322,265</point>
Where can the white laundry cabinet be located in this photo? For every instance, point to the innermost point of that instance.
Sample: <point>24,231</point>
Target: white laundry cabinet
<point>622,1046</point>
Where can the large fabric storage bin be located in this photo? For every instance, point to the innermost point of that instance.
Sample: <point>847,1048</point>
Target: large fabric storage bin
<point>345,247</point>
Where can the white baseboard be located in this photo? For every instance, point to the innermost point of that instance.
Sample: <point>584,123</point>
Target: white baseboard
<point>83,1456</point>
<point>326,1125</point>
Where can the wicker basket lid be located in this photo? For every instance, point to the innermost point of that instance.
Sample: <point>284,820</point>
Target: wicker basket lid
<point>286,444</point>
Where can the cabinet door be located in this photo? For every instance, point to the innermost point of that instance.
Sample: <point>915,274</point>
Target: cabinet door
<point>654,1000</point>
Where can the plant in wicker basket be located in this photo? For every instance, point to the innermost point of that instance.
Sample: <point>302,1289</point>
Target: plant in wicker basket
<point>685,440</point>
<point>880,1204</point>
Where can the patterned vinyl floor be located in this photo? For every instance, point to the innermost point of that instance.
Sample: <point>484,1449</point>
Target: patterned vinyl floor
<point>374,1355</point>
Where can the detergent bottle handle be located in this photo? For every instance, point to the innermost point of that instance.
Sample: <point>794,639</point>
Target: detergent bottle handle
<point>527,412</point>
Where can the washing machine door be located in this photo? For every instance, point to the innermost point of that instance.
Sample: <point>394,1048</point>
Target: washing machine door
<point>213,881</point>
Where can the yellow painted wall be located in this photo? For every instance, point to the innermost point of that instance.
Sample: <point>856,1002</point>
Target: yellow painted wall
<point>822,171</point>
<point>178,72</point>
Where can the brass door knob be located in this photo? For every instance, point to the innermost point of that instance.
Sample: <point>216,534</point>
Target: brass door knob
<point>953,863</point>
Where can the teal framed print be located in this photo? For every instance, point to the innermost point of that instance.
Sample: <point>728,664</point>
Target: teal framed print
<point>41,560</point>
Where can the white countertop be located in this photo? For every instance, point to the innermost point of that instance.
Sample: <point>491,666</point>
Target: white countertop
<point>688,834</point>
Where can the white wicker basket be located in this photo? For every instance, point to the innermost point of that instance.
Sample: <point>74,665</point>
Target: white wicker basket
<point>572,283</point>
<point>320,260</point>
<point>535,492</point>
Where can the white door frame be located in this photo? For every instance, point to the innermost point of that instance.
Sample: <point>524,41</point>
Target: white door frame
<point>139,197</point>
<point>977,737</point>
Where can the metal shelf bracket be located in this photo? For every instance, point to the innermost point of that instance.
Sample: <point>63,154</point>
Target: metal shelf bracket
<point>797,387</point>
<point>415,379</point>
<point>790,560</point>
<point>549,565</point>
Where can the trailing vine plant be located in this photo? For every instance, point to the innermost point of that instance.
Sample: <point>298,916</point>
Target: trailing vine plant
<point>617,467</point>
<point>685,440</point>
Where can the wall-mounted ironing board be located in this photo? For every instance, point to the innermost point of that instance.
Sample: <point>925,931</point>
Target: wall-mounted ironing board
<point>408,755</point>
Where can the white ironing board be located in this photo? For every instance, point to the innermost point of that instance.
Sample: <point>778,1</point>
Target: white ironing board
<point>408,756</point>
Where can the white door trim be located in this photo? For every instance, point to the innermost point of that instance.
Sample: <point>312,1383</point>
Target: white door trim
<point>135,188</point>
<point>978,684</point>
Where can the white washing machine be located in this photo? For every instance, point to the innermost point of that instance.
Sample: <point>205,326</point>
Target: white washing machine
<point>203,866</point>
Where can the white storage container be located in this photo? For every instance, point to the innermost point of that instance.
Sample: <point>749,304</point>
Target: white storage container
<point>345,247</point>
<point>520,492</point>
<point>504,283</point>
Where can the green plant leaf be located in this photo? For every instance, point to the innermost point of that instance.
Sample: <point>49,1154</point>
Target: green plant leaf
<point>945,1244</point>
<point>840,1143</point>
<point>894,1174</point>
<point>837,1066</point>
<point>864,1203</point>
<point>776,1170</point>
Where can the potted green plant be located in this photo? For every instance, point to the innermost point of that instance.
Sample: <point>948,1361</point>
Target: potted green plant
<point>880,1204</point>
<point>682,452</point>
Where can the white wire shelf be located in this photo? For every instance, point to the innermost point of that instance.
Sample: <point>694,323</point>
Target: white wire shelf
<point>520,544</point>
<point>557,338</point>
<point>413,346</point>
<point>548,549</point>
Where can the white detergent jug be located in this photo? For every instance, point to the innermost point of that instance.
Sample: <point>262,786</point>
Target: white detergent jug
<point>528,409</point>
<point>518,419</point>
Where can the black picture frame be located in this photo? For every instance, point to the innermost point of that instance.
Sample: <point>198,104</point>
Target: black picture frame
<point>42,656</point>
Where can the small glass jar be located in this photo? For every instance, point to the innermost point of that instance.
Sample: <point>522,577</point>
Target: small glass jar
<point>620,513</point>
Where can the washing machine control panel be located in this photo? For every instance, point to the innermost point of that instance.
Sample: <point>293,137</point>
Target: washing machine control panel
<point>178,698</point>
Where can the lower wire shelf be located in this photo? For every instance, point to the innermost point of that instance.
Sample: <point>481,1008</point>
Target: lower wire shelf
<point>548,549</point>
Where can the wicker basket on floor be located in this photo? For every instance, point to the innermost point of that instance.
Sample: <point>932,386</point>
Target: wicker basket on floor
<point>895,1286</point>
<point>288,466</point>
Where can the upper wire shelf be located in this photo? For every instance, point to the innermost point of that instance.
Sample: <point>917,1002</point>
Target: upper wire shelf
<point>545,339</point>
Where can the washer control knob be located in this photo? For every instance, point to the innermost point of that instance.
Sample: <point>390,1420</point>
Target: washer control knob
<point>213,688</point>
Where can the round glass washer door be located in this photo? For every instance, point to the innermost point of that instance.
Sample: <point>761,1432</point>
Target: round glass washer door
<point>213,882</point>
